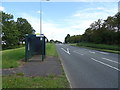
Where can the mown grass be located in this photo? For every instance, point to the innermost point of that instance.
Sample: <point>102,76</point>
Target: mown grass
<point>101,47</point>
<point>50,81</point>
<point>11,57</point>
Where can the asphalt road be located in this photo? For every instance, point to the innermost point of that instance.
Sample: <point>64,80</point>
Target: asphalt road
<point>86,68</point>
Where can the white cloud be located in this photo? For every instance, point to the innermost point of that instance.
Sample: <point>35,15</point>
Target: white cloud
<point>49,29</point>
<point>88,12</point>
<point>81,25</point>
<point>32,20</point>
<point>38,11</point>
<point>82,19</point>
<point>77,15</point>
<point>52,30</point>
<point>74,25</point>
<point>2,8</point>
<point>93,14</point>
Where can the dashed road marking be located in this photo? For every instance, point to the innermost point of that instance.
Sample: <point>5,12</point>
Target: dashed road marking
<point>106,64</point>
<point>103,52</point>
<point>78,53</point>
<point>92,52</point>
<point>110,60</point>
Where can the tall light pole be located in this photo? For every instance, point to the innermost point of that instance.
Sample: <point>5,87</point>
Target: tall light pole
<point>41,16</point>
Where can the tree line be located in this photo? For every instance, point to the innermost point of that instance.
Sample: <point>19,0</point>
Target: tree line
<point>100,32</point>
<point>13,32</point>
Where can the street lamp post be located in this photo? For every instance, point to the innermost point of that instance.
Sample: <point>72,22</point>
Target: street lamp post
<point>42,37</point>
<point>41,16</point>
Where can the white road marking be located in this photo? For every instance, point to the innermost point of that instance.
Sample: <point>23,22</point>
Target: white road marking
<point>103,52</point>
<point>110,60</point>
<point>68,52</point>
<point>92,52</point>
<point>105,64</point>
<point>78,53</point>
<point>66,73</point>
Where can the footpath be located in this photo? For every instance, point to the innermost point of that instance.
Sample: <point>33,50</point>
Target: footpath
<point>50,66</point>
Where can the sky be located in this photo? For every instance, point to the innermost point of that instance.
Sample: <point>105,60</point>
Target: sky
<point>61,18</point>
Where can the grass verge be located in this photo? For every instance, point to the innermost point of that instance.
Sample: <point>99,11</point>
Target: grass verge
<point>51,50</point>
<point>100,47</point>
<point>11,57</point>
<point>20,81</point>
<point>50,81</point>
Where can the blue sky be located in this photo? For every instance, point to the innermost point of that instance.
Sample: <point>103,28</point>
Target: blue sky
<point>61,18</point>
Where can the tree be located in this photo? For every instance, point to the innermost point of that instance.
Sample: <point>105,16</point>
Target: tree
<point>87,36</point>
<point>51,41</point>
<point>101,31</point>
<point>117,16</point>
<point>9,30</point>
<point>46,39</point>
<point>23,27</point>
<point>56,41</point>
<point>110,23</point>
<point>67,38</point>
<point>75,39</point>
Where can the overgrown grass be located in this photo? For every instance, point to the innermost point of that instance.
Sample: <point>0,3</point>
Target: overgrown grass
<point>51,49</point>
<point>102,47</point>
<point>11,57</point>
<point>35,82</point>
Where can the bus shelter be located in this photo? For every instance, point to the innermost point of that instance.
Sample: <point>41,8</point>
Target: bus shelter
<point>35,45</point>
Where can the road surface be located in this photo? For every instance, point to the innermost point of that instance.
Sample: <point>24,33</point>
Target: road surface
<point>86,68</point>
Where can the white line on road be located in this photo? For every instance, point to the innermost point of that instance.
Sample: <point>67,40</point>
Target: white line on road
<point>78,53</point>
<point>66,73</point>
<point>103,52</point>
<point>67,51</point>
<point>110,60</point>
<point>105,64</point>
<point>92,52</point>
